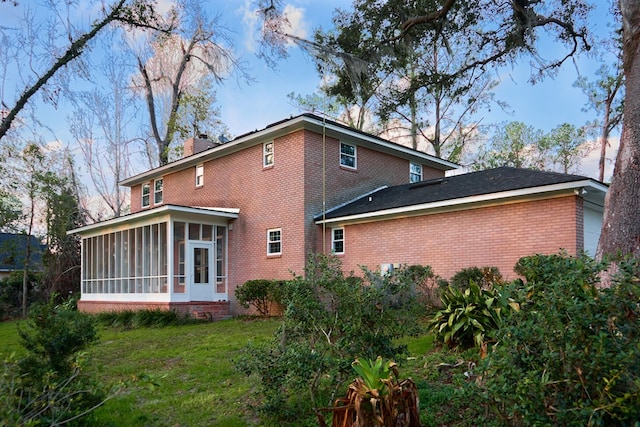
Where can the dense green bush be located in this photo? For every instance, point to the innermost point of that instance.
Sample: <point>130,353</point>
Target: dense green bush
<point>330,319</point>
<point>53,337</point>
<point>469,317</point>
<point>570,356</point>
<point>133,319</point>
<point>262,294</point>
<point>485,277</point>
<point>49,386</point>
<point>425,280</point>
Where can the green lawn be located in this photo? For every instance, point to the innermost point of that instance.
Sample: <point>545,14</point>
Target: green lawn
<point>184,375</point>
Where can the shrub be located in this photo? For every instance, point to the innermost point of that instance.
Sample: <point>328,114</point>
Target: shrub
<point>49,385</point>
<point>570,356</point>
<point>485,277</point>
<point>425,280</point>
<point>52,338</point>
<point>469,316</point>
<point>262,294</point>
<point>329,320</point>
<point>377,398</point>
<point>133,319</point>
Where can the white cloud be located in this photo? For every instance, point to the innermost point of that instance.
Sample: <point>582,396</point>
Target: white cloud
<point>297,24</point>
<point>249,19</point>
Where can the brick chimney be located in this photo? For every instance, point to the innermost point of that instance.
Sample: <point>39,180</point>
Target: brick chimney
<point>196,145</point>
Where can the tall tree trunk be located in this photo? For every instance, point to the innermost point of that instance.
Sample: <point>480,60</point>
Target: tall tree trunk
<point>603,144</point>
<point>621,223</point>
<point>27,258</point>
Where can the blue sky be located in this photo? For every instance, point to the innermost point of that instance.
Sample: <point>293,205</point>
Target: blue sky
<point>245,107</point>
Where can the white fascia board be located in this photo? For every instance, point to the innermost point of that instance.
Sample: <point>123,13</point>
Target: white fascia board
<point>512,196</point>
<point>231,213</point>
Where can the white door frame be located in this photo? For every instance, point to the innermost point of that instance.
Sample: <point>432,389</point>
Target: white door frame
<point>201,288</point>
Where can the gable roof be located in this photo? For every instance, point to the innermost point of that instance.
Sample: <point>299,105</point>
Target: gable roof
<point>455,191</point>
<point>13,249</point>
<point>303,121</point>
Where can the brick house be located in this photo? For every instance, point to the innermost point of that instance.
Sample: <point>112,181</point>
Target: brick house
<point>255,207</point>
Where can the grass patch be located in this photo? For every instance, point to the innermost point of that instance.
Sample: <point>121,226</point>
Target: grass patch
<point>183,375</point>
<point>10,339</point>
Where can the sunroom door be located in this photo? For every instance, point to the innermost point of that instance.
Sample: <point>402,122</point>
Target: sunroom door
<point>201,271</point>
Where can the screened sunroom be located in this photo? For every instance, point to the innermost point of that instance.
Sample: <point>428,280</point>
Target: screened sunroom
<point>171,254</point>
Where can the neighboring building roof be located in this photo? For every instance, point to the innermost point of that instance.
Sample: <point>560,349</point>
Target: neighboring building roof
<point>283,127</point>
<point>457,190</point>
<point>13,250</point>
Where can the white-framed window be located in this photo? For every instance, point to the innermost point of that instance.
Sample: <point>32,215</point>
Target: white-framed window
<point>267,154</point>
<point>146,195</point>
<point>157,191</point>
<point>337,240</point>
<point>274,241</point>
<point>348,155</point>
<point>199,175</point>
<point>415,172</point>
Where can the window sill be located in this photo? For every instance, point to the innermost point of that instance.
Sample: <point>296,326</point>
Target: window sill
<point>348,169</point>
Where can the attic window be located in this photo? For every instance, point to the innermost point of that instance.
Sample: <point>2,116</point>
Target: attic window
<point>415,172</point>
<point>157,191</point>
<point>267,154</point>
<point>348,155</point>
<point>199,175</point>
<point>146,195</point>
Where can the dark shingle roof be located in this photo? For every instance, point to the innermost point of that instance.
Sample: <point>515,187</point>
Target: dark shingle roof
<point>453,187</point>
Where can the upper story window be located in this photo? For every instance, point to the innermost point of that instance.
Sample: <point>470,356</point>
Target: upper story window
<point>157,191</point>
<point>146,195</point>
<point>199,175</point>
<point>274,241</point>
<point>337,240</point>
<point>415,172</point>
<point>348,155</point>
<point>267,154</point>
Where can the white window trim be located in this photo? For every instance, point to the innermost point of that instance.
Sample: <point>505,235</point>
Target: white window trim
<point>269,241</point>
<point>155,192</point>
<point>265,153</point>
<point>411,173</point>
<point>333,240</point>
<point>200,168</point>
<point>148,195</point>
<point>355,156</point>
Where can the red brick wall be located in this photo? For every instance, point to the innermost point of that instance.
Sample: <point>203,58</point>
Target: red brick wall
<point>492,236</point>
<point>374,170</point>
<point>286,195</point>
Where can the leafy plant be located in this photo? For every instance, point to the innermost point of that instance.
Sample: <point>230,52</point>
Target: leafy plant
<point>376,398</point>
<point>53,337</point>
<point>262,294</point>
<point>570,356</point>
<point>49,385</point>
<point>330,318</point>
<point>133,319</point>
<point>469,316</point>
<point>485,277</point>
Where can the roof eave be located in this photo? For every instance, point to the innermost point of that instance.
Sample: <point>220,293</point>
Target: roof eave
<point>299,122</point>
<point>546,191</point>
<point>230,213</point>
